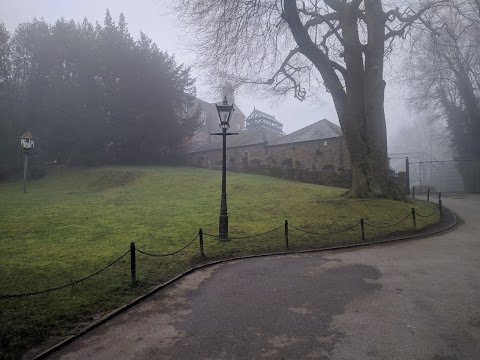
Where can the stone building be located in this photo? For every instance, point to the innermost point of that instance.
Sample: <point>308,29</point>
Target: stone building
<point>315,153</point>
<point>317,147</point>
<point>210,122</point>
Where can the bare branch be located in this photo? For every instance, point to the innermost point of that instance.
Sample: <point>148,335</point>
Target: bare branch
<point>333,31</point>
<point>407,21</point>
<point>339,67</point>
<point>318,19</point>
<point>336,5</point>
<point>284,63</point>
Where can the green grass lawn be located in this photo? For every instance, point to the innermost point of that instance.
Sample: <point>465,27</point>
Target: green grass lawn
<point>75,221</point>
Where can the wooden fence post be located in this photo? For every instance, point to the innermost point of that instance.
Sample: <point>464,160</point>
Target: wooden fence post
<point>407,176</point>
<point>440,204</point>
<point>428,195</point>
<point>133,264</point>
<point>362,225</point>
<point>286,235</point>
<point>414,219</point>
<point>200,235</point>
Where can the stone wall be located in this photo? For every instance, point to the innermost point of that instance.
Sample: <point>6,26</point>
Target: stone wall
<point>324,162</point>
<point>314,155</point>
<point>236,157</point>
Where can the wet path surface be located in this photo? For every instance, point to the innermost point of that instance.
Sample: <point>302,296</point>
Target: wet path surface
<point>418,299</point>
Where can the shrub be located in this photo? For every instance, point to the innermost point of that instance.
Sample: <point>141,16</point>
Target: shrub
<point>36,172</point>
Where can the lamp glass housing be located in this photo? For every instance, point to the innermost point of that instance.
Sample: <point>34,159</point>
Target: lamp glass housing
<point>224,113</point>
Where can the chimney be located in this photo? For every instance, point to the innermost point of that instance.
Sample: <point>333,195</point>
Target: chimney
<point>228,91</point>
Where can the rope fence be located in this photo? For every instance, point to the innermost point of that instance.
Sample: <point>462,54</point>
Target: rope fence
<point>427,192</point>
<point>133,250</point>
<point>439,197</point>
<point>256,235</point>
<point>328,233</point>
<point>390,225</point>
<point>72,283</point>
<point>168,254</point>
<point>426,216</point>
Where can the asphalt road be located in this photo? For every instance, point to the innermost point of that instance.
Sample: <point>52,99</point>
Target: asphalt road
<point>417,299</point>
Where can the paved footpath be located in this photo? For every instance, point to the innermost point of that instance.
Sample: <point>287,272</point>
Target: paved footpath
<point>418,299</point>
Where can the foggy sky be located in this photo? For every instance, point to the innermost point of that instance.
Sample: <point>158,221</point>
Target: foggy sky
<point>153,18</point>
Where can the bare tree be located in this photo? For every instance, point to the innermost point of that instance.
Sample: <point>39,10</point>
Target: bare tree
<point>287,43</point>
<point>425,136</point>
<point>445,74</point>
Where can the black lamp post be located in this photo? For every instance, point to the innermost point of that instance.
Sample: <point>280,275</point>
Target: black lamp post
<point>224,112</point>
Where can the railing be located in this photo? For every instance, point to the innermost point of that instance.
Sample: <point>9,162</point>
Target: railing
<point>428,194</point>
<point>200,236</point>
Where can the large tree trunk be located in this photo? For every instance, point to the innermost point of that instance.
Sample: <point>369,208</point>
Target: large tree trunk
<point>369,153</point>
<point>360,105</point>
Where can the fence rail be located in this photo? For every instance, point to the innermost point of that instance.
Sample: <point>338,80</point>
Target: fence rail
<point>167,254</point>
<point>452,175</point>
<point>328,233</point>
<point>425,216</point>
<point>133,250</point>
<point>71,283</point>
<point>389,225</point>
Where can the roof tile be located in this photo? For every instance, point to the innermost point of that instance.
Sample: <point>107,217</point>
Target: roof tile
<point>245,138</point>
<point>322,129</point>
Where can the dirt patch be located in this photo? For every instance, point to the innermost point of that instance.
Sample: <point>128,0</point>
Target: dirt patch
<point>109,178</point>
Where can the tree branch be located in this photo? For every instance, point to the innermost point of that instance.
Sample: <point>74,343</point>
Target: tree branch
<point>393,14</point>
<point>339,67</point>
<point>333,31</point>
<point>318,19</point>
<point>300,92</point>
<point>336,5</point>
<point>310,50</point>
<point>284,63</point>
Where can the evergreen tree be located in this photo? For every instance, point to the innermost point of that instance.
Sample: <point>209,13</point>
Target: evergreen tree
<point>90,95</point>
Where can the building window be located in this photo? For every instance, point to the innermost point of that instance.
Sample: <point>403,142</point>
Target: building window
<point>238,126</point>
<point>203,118</point>
<point>325,143</point>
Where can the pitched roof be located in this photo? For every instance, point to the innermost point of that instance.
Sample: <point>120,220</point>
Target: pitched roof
<point>27,135</point>
<point>322,129</point>
<point>245,138</point>
<point>257,112</point>
<point>259,119</point>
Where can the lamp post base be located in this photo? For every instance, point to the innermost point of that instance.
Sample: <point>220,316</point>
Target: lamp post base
<point>223,226</point>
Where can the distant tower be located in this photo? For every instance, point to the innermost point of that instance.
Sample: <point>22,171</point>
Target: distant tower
<point>227,90</point>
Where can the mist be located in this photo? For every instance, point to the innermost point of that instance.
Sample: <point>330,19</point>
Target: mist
<point>154,18</point>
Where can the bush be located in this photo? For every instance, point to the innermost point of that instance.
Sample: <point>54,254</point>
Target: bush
<point>36,172</point>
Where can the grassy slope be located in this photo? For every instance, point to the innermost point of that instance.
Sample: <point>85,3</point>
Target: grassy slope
<point>77,220</point>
